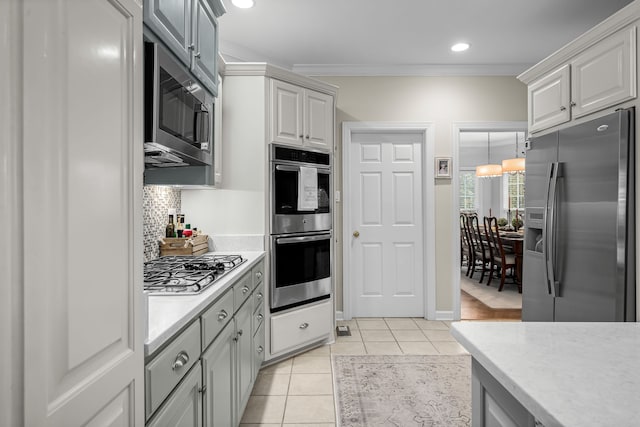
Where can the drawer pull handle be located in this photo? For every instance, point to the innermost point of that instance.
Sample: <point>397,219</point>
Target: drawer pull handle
<point>245,289</point>
<point>223,315</point>
<point>259,295</point>
<point>305,325</point>
<point>260,317</point>
<point>260,349</point>
<point>259,274</point>
<point>181,359</point>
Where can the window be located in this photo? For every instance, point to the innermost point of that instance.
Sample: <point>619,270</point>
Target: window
<point>514,191</point>
<point>467,190</point>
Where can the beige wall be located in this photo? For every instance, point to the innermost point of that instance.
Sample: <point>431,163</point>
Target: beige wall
<point>441,101</point>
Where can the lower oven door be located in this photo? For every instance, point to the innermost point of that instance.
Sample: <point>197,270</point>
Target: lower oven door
<point>300,269</point>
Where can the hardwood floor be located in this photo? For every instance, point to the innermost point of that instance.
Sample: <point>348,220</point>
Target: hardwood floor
<point>473,309</point>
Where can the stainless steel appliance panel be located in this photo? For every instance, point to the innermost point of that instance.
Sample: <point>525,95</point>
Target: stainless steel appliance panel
<point>579,261</point>
<point>300,269</point>
<point>591,190</point>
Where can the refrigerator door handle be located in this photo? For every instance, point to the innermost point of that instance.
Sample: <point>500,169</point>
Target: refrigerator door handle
<point>548,239</point>
<point>551,232</point>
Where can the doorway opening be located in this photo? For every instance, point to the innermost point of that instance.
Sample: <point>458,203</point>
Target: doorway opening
<point>481,147</point>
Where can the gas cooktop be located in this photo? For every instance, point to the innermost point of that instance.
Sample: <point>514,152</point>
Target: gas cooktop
<point>186,275</point>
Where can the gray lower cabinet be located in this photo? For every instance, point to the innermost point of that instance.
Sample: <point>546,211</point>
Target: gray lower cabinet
<point>493,405</point>
<point>205,374</point>
<point>184,407</point>
<point>245,356</point>
<point>218,365</point>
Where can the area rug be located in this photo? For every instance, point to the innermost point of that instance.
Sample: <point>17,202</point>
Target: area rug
<point>402,391</point>
<point>489,295</point>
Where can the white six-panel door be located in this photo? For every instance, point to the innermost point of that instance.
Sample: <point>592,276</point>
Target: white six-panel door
<point>83,327</point>
<point>386,271</point>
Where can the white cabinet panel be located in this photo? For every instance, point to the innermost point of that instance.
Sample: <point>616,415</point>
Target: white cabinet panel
<point>318,120</point>
<point>83,329</point>
<point>244,357</point>
<point>205,44</point>
<point>605,74</point>
<point>286,113</point>
<point>549,100</point>
<point>303,326</point>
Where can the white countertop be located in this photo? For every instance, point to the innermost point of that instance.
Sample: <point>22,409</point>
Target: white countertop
<point>565,374</point>
<point>167,314</point>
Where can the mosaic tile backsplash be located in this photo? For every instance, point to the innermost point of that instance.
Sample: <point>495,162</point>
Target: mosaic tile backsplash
<point>156,204</point>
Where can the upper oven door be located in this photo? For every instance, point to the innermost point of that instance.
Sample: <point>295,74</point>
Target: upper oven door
<point>286,217</point>
<point>178,112</point>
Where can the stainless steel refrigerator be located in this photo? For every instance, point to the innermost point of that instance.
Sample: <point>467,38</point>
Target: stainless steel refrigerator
<point>579,255</point>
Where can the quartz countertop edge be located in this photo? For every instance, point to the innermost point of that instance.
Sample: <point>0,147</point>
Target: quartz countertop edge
<point>565,374</point>
<point>168,314</point>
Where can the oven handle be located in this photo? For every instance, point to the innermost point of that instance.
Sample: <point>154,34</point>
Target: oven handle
<point>297,169</point>
<point>286,240</point>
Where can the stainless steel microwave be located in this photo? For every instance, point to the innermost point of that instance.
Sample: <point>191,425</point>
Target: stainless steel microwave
<point>178,113</point>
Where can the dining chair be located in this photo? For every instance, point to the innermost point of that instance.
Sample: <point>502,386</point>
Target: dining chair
<point>500,259</point>
<point>466,250</point>
<point>481,254</point>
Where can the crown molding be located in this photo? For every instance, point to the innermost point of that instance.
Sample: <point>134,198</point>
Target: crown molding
<point>615,22</point>
<point>267,70</point>
<point>410,69</point>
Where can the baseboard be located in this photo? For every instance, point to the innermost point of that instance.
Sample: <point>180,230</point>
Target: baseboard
<point>444,315</point>
<point>339,315</point>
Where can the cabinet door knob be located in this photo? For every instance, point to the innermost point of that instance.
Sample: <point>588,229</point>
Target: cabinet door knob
<point>197,55</point>
<point>356,234</point>
<point>259,295</point>
<point>191,46</point>
<point>203,389</point>
<point>222,315</point>
<point>260,317</point>
<point>563,108</point>
<point>259,274</point>
<point>240,332</point>
<point>181,359</point>
<point>301,136</point>
<point>573,104</point>
<point>260,349</point>
<point>307,137</point>
<point>245,289</point>
<point>305,325</point>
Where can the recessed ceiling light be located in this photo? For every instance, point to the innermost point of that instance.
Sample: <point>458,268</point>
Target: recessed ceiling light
<point>460,47</point>
<point>243,4</point>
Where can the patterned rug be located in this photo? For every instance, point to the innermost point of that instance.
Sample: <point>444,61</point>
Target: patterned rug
<point>402,391</point>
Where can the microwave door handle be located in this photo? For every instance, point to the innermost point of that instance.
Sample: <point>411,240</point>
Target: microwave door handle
<point>287,240</point>
<point>202,125</point>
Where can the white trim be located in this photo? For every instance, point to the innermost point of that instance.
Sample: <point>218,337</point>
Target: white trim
<point>446,315</point>
<point>428,205</point>
<point>456,128</point>
<point>431,70</point>
<point>618,20</point>
<point>339,315</point>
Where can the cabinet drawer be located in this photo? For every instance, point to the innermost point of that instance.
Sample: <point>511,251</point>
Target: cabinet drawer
<point>216,317</point>
<point>296,328</point>
<point>258,298</point>
<point>242,290</point>
<point>258,312</point>
<point>167,369</point>
<point>258,273</point>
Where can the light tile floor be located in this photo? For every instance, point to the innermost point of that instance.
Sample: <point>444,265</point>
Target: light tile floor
<point>298,392</point>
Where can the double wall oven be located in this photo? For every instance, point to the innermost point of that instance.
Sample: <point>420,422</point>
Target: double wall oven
<point>301,261</point>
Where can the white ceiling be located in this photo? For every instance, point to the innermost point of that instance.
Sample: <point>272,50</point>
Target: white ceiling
<point>406,37</point>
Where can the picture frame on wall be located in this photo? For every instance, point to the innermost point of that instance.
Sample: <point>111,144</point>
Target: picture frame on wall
<point>443,167</point>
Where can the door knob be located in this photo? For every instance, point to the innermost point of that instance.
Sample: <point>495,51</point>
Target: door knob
<point>356,234</point>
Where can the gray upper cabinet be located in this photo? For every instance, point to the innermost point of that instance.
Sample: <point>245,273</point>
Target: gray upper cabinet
<point>190,30</point>
<point>205,42</point>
